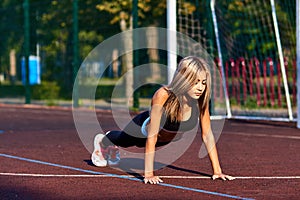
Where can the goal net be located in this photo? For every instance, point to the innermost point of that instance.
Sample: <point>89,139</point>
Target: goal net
<point>250,52</point>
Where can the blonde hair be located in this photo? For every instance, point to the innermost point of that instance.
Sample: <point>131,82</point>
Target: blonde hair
<point>186,75</point>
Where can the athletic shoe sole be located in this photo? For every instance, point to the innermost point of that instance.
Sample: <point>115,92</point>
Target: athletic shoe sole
<point>98,159</point>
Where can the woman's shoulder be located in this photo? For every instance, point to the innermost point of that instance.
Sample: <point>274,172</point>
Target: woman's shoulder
<point>160,96</point>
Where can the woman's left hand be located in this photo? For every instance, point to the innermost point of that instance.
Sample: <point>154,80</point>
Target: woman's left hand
<point>223,177</point>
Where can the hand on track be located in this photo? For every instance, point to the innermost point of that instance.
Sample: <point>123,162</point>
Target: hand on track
<point>152,180</point>
<point>224,177</point>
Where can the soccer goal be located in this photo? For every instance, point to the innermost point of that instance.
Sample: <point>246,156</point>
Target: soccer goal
<point>253,44</point>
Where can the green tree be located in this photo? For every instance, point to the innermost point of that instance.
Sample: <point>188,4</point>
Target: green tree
<point>150,12</point>
<point>11,29</point>
<point>54,34</point>
<point>250,28</point>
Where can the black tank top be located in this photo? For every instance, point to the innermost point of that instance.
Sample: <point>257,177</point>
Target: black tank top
<point>182,126</point>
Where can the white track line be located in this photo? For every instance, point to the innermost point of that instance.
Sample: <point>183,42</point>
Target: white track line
<point>267,135</point>
<point>122,177</point>
<point>166,177</point>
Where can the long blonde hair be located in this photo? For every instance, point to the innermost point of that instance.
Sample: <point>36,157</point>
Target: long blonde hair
<point>186,75</point>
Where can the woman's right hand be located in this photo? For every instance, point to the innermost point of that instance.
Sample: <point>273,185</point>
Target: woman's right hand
<point>152,180</point>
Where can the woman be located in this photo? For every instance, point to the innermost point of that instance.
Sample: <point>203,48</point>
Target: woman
<point>175,109</point>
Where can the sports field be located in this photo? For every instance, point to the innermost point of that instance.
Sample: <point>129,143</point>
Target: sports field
<point>42,157</point>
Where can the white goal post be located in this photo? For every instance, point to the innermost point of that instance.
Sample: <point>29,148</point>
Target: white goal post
<point>284,77</point>
<point>171,38</point>
<point>256,47</point>
<point>212,6</point>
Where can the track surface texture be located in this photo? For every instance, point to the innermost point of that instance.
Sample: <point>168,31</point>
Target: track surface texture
<point>42,157</point>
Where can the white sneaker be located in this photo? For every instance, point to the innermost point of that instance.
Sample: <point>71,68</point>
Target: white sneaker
<point>99,155</point>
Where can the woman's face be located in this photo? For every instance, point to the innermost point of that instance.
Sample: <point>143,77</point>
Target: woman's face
<point>198,87</point>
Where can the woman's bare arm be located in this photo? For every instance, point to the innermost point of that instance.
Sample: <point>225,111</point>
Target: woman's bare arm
<point>158,101</point>
<point>210,143</point>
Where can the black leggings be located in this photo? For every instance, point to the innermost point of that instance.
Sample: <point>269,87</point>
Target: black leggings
<point>131,135</point>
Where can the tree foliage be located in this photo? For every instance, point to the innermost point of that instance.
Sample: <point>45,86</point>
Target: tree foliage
<point>51,27</point>
<point>251,29</point>
<point>150,12</point>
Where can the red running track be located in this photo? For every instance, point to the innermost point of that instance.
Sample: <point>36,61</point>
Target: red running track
<point>42,157</point>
